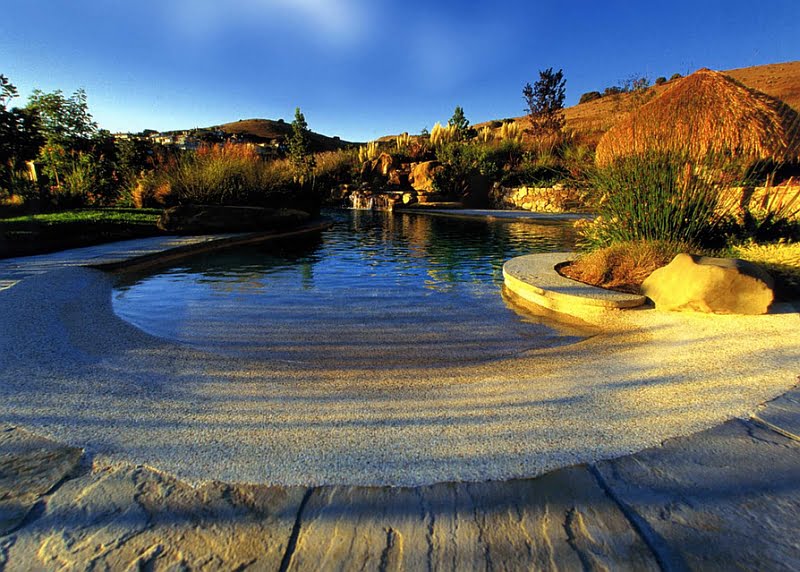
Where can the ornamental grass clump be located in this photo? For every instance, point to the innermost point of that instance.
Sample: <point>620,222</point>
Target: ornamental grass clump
<point>368,152</point>
<point>659,196</point>
<point>402,142</point>
<point>622,266</point>
<point>707,114</point>
<point>216,174</point>
<point>441,134</point>
<point>510,131</point>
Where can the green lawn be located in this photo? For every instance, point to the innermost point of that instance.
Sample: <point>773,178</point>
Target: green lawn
<point>82,216</point>
<point>33,234</point>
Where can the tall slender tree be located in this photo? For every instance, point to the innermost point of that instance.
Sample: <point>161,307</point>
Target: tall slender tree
<point>460,123</point>
<point>300,149</point>
<point>545,102</point>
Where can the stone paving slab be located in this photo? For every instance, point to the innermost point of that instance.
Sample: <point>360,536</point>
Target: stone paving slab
<point>122,517</point>
<point>724,499</point>
<point>782,414</point>
<point>563,520</point>
<point>29,467</point>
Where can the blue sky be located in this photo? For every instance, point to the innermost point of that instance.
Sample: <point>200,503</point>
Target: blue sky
<point>364,68</point>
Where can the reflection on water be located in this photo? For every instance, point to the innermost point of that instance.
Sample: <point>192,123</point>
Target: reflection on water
<point>376,290</point>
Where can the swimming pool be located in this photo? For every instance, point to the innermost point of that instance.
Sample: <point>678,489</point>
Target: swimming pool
<point>375,290</point>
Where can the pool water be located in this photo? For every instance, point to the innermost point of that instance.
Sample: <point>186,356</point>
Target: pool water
<point>375,290</point>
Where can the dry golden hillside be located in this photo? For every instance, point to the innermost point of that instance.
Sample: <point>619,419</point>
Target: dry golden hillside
<point>595,117</point>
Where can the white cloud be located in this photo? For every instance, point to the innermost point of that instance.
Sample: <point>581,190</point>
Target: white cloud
<point>336,22</point>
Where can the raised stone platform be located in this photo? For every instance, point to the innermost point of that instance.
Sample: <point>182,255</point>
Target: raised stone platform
<point>535,279</point>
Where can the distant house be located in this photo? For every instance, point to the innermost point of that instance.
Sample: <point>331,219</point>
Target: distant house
<point>163,139</point>
<point>187,142</point>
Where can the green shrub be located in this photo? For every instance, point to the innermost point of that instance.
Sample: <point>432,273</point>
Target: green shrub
<point>675,76</point>
<point>227,174</point>
<point>589,96</point>
<point>578,160</point>
<point>658,196</point>
<point>335,167</point>
<point>661,80</point>
<point>781,259</point>
<point>540,169</point>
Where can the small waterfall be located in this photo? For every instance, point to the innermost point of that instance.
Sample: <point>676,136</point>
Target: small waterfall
<point>361,201</point>
<point>367,200</point>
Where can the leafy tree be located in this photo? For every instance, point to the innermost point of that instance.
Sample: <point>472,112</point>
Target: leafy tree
<point>8,91</point>
<point>20,139</point>
<point>545,102</point>
<point>79,158</point>
<point>460,123</point>
<point>661,80</point>
<point>133,156</point>
<point>64,120</point>
<point>675,76</point>
<point>67,127</point>
<point>299,148</point>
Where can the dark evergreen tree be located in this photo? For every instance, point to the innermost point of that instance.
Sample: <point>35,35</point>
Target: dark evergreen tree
<point>460,122</point>
<point>300,148</point>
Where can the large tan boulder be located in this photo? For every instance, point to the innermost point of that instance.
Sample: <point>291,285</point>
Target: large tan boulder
<point>711,285</point>
<point>422,174</point>
<point>382,165</point>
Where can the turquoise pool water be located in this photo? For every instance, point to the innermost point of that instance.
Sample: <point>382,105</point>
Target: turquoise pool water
<point>376,290</point>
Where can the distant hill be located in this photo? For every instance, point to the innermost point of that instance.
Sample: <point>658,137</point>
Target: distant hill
<point>266,130</point>
<point>596,117</point>
<point>778,80</point>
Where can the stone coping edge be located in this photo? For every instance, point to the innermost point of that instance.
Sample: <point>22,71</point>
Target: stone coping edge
<point>498,215</point>
<point>535,279</point>
<point>173,254</point>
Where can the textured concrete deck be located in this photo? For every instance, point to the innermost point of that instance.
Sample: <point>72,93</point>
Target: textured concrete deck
<point>725,498</point>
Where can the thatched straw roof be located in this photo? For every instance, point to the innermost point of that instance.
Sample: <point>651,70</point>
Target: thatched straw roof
<point>707,113</point>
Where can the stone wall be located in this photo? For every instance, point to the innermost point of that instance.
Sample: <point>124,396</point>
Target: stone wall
<point>784,198</point>
<point>555,199</point>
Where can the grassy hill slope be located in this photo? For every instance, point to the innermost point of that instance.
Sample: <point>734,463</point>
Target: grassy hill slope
<point>267,130</point>
<point>595,117</point>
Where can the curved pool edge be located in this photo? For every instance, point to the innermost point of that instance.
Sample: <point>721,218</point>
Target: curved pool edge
<point>139,262</point>
<point>63,324</point>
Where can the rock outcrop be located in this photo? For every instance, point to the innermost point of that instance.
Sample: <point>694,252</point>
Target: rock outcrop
<point>422,175</point>
<point>200,219</point>
<point>711,285</point>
